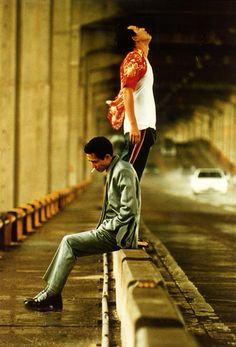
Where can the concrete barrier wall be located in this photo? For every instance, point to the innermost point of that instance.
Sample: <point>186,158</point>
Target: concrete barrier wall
<point>148,315</point>
<point>19,222</point>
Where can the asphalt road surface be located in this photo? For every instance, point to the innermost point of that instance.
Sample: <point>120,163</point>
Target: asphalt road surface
<point>199,231</point>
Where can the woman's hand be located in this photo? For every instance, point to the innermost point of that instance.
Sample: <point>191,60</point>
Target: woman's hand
<point>135,135</point>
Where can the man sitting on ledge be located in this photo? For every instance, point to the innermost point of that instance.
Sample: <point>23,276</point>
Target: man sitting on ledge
<point>117,228</point>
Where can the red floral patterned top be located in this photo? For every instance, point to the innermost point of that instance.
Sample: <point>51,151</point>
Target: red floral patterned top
<point>132,69</point>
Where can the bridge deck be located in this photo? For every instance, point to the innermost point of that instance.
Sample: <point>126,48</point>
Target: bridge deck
<point>79,324</point>
<point>21,276</point>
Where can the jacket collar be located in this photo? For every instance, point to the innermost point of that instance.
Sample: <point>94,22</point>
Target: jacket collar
<point>115,159</point>
<point>113,163</point>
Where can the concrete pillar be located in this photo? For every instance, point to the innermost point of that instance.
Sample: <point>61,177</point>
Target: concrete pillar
<point>217,129</point>
<point>224,145</point>
<point>233,126</point>
<point>73,108</point>
<point>97,85</point>
<point>186,130</point>
<point>60,78</point>
<point>233,155</point>
<point>197,126</point>
<point>104,87</point>
<point>204,126</point>
<point>85,12</point>
<point>94,70</point>
<point>207,126</point>
<point>220,133</point>
<point>76,154</point>
<point>191,129</point>
<point>8,11</point>
<point>227,129</point>
<point>202,123</point>
<point>210,126</point>
<point>32,111</point>
<point>82,116</point>
<point>213,126</point>
<point>179,132</point>
<point>233,137</point>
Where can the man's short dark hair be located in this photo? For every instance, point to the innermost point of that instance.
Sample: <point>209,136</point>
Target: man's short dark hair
<point>100,146</point>
<point>124,41</point>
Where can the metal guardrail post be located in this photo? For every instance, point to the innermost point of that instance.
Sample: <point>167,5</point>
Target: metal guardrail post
<point>105,311</point>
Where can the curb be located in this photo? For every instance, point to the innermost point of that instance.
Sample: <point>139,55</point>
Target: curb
<point>148,315</point>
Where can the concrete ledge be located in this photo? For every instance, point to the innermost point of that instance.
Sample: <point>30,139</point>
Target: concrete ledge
<point>152,306</point>
<point>148,315</point>
<point>129,267</point>
<point>163,337</point>
<point>136,271</point>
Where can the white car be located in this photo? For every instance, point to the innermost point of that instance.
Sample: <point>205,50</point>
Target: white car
<point>207,179</point>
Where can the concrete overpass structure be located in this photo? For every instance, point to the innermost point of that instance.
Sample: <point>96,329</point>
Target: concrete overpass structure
<point>58,65</point>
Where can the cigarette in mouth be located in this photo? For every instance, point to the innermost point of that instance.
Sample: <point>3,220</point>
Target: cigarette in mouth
<point>92,170</point>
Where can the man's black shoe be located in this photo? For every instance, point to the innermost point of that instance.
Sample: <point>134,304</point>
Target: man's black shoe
<point>36,296</point>
<point>45,303</point>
